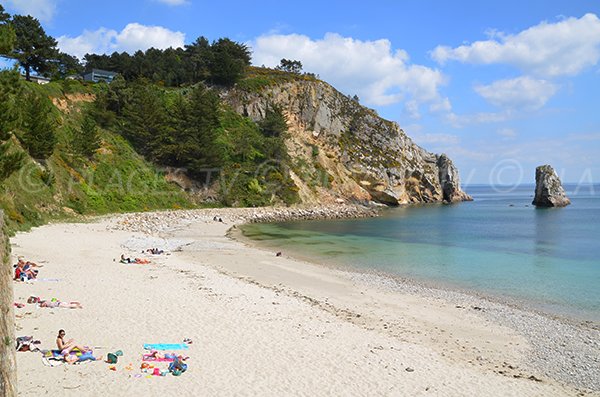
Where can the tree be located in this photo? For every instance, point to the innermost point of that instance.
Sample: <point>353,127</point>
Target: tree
<point>34,49</point>
<point>288,65</point>
<point>38,134</point>
<point>7,33</point>
<point>274,124</point>
<point>11,159</point>
<point>198,57</point>
<point>229,62</point>
<point>144,117</point>
<point>201,145</point>
<point>66,65</point>
<point>86,139</point>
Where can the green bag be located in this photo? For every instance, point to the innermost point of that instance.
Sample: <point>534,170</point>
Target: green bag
<point>111,358</point>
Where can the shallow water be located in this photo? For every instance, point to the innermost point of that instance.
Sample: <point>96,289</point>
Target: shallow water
<point>498,245</point>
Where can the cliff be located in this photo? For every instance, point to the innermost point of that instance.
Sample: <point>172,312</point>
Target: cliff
<point>342,151</point>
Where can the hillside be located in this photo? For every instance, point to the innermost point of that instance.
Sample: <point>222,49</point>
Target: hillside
<point>275,138</point>
<point>114,179</point>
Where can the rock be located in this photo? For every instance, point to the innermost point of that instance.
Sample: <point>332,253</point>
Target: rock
<point>450,181</point>
<point>548,189</point>
<point>363,156</point>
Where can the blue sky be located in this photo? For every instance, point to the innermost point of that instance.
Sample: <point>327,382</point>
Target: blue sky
<point>501,87</point>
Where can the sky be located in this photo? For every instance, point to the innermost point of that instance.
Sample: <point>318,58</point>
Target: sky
<point>499,86</point>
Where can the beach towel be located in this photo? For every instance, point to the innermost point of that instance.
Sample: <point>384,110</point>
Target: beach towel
<point>165,346</point>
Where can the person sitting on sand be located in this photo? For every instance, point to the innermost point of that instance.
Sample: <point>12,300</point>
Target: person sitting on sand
<point>24,272</point>
<point>66,347</point>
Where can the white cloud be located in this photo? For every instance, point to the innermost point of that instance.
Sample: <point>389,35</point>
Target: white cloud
<point>507,133</point>
<point>462,120</point>
<point>430,138</point>
<point>548,49</point>
<point>173,2</point>
<point>374,71</point>
<point>594,136</point>
<point>41,9</point>
<point>132,38</point>
<point>520,93</point>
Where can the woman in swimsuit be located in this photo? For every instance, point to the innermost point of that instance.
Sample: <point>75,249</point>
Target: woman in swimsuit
<point>66,347</point>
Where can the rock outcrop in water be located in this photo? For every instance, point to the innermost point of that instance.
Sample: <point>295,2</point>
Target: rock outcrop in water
<point>345,152</point>
<point>548,189</point>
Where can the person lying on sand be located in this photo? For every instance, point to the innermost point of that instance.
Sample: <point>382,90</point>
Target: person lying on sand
<point>54,303</point>
<point>135,260</point>
<point>88,355</point>
<point>154,251</point>
<point>66,347</point>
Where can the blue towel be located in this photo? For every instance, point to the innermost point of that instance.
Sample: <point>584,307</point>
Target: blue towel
<point>165,346</point>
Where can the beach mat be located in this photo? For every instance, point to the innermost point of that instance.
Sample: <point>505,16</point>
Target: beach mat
<point>165,346</point>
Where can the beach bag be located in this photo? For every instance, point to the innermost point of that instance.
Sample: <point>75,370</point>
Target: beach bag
<point>177,367</point>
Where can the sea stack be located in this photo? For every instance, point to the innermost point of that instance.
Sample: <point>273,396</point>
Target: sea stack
<point>548,189</point>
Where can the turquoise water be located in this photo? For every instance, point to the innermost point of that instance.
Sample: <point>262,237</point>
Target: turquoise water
<point>498,245</point>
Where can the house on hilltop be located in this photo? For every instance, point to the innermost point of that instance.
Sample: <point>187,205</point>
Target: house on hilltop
<point>37,79</point>
<point>97,75</point>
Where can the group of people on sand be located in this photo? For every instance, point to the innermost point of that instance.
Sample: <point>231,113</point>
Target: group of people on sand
<point>25,270</point>
<point>142,261</point>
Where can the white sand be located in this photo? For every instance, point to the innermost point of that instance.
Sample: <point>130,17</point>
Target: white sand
<point>260,324</point>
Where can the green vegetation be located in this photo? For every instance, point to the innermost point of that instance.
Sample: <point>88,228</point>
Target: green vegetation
<point>193,130</point>
<point>223,62</point>
<point>73,178</point>
<point>69,147</point>
<point>288,65</point>
<point>259,78</point>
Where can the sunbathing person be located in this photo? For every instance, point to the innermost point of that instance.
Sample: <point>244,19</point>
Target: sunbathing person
<point>54,303</point>
<point>88,355</point>
<point>155,251</point>
<point>135,260</point>
<point>66,347</point>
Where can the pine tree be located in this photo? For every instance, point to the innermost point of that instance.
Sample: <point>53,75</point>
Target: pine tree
<point>34,49</point>
<point>145,118</point>
<point>38,129</point>
<point>274,124</point>
<point>11,159</point>
<point>202,124</point>
<point>7,33</point>
<point>86,139</point>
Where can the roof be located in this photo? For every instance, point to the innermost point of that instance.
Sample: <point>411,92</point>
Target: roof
<point>100,71</point>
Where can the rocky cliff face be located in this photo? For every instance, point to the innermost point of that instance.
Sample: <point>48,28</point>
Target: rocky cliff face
<point>343,151</point>
<point>548,189</point>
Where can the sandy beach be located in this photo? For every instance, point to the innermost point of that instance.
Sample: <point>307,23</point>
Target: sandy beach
<point>264,325</point>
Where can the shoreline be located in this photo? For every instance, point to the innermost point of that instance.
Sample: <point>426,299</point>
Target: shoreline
<point>514,303</point>
<point>302,326</point>
<point>497,308</point>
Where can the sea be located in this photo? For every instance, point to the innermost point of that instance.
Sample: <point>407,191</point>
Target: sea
<point>499,246</point>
